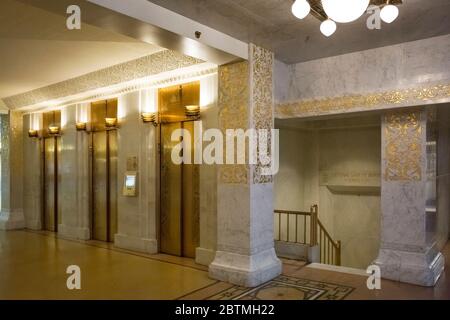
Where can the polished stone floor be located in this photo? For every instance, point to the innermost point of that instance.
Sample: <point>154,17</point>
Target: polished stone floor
<point>33,266</point>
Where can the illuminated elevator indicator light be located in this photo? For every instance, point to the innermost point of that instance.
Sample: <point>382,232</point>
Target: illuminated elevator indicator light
<point>129,188</point>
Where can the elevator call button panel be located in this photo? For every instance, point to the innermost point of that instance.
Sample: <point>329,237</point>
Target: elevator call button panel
<point>129,186</point>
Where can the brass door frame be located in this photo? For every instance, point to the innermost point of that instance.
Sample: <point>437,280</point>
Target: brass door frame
<point>171,109</point>
<point>108,182</point>
<point>55,182</point>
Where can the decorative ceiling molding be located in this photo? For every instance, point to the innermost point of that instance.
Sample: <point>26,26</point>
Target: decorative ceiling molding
<point>164,79</point>
<point>431,94</point>
<point>3,106</point>
<point>153,64</point>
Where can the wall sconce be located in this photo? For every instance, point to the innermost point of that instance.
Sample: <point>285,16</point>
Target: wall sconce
<point>53,129</point>
<point>149,117</point>
<point>111,122</point>
<point>192,111</point>
<point>81,126</point>
<point>32,133</point>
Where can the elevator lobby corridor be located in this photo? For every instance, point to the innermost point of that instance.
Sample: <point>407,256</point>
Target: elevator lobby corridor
<point>33,266</point>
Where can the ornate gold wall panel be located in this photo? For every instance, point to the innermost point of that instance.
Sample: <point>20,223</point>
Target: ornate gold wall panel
<point>262,99</point>
<point>233,113</point>
<point>374,101</point>
<point>246,101</point>
<point>403,146</point>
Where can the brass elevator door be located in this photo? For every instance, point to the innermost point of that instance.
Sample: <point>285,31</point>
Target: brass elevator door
<point>191,210</point>
<point>170,194</point>
<point>51,184</point>
<point>179,223</point>
<point>104,185</point>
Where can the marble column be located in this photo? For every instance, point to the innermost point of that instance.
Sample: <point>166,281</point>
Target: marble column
<point>206,251</point>
<point>32,183</point>
<point>245,247</point>
<point>11,216</point>
<point>408,250</point>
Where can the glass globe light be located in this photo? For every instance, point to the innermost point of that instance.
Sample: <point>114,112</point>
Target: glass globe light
<point>328,27</point>
<point>344,11</point>
<point>300,8</point>
<point>389,13</point>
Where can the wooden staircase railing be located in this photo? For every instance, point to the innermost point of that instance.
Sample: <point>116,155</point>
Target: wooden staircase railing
<point>311,232</point>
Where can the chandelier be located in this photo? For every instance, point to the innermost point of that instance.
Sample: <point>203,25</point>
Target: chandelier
<point>343,11</point>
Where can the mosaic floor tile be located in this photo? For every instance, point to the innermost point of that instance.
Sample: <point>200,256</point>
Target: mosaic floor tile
<point>286,288</point>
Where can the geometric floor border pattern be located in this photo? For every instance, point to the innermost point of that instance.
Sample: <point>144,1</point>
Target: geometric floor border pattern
<point>286,288</point>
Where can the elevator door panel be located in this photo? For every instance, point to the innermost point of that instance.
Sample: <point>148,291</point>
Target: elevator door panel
<point>170,194</point>
<point>50,184</point>
<point>112,153</point>
<point>99,188</point>
<point>104,180</point>
<point>190,201</point>
<point>179,197</point>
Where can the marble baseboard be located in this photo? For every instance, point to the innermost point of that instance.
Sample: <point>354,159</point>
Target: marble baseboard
<point>74,232</point>
<point>297,251</point>
<point>204,256</point>
<point>245,270</point>
<point>291,250</point>
<point>136,244</point>
<point>33,224</point>
<point>417,268</point>
<point>12,220</point>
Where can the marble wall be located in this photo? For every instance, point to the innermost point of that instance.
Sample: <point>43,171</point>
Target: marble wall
<point>73,182</point>
<point>136,143</point>
<point>32,186</point>
<point>408,74</point>
<point>289,183</point>
<point>405,65</point>
<point>338,169</point>
<point>11,215</point>
<point>443,176</point>
<point>208,175</point>
<point>408,250</point>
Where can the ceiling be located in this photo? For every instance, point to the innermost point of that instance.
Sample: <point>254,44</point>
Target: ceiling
<point>36,48</point>
<point>269,23</point>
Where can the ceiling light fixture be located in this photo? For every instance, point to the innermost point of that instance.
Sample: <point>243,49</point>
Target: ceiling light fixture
<point>301,8</point>
<point>328,27</point>
<point>33,133</point>
<point>54,128</point>
<point>192,111</point>
<point>330,12</point>
<point>81,126</point>
<point>344,11</point>
<point>149,117</point>
<point>389,13</point>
